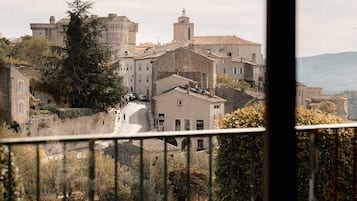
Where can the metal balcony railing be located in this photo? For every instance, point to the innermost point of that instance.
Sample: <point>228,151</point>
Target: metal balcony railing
<point>317,139</point>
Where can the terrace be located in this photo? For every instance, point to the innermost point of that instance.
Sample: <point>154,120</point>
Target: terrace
<point>340,175</point>
<point>279,167</point>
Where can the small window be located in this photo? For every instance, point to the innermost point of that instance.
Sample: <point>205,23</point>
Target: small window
<point>20,108</point>
<point>177,124</point>
<point>199,125</point>
<point>179,102</point>
<point>187,124</point>
<point>216,106</point>
<point>20,86</point>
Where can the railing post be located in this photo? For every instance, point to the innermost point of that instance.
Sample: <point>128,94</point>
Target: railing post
<point>9,166</point>
<point>336,166</point>
<point>38,172</point>
<point>91,176</point>
<point>116,186</point>
<point>354,196</point>
<point>165,169</point>
<point>141,170</point>
<point>210,168</point>
<point>188,184</point>
<point>313,161</point>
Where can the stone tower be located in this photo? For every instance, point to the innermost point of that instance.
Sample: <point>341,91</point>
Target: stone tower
<point>183,30</point>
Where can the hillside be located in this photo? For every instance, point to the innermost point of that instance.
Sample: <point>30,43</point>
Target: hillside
<point>333,72</point>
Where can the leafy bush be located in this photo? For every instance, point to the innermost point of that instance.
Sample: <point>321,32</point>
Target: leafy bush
<point>73,112</point>
<point>239,159</point>
<point>16,190</point>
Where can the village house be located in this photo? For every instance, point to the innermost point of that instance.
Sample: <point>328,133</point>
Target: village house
<point>310,97</point>
<point>186,108</point>
<point>14,94</point>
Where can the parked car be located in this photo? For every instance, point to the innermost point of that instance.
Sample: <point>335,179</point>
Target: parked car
<point>131,96</point>
<point>142,97</point>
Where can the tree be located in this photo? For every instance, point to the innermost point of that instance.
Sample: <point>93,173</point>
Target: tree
<point>328,107</point>
<point>239,159</point>
<point>32,50</point>
<point>5,47</point>
<point>221,78</point>
<point>177,174</point>
<point>82,72</point>
<point>14,181</point>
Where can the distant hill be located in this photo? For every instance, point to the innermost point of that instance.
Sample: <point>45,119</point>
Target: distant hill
<point>333,72</point>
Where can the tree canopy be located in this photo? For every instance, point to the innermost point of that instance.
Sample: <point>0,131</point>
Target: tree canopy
<point>82,72</point>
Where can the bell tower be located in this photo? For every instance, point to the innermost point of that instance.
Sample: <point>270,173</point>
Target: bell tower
<point>183,29</point>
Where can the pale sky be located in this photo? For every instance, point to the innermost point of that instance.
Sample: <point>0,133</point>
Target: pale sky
<point>323,26</point>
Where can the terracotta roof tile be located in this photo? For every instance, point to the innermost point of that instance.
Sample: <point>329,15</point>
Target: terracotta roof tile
<point>221,40</point>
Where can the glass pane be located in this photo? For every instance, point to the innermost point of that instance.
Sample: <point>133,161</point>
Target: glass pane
<point>326,56</point>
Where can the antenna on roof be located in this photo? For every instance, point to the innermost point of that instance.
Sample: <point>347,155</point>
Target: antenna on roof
<point>184,12</point>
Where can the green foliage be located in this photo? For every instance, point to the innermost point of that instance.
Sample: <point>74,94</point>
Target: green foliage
<point>327,107</point>
<point>177,173</point>
<point>82,72</point>
<point>5,47</point>
<point>239,159</point>
<point>64,113</point>
<point>221,78</point>
<point>33,50</point>
<point>14,181</point>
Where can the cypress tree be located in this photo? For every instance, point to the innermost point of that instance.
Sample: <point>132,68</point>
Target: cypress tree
<point>83,73</point>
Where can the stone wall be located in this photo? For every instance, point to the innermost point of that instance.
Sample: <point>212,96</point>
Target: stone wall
<point>49,125</point>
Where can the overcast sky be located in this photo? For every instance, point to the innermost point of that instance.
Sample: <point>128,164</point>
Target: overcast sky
<point>323,26</point>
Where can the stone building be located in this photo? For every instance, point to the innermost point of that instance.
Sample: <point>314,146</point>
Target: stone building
<point>14,94</point>
<point>199,58</point>
<point>232,46</point>
<point>310,97</point>
<point>144,67</point>
<point>237,98</point>
<point>118,32</point>
<point>182,109</point>
<point>187,62</point>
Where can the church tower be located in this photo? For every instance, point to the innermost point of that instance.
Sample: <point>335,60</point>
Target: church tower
<point>183,29</point>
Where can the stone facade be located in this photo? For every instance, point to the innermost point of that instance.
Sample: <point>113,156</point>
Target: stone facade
<point>182,109</point>
<point>236,98</point>
<point>14,94</point>
<point>188,63</point>
<point>172,81</point>
<point>118,32</point>
<point>308,97</point>
<point>232,46</point>
<point>51,124</point>
<point>127,71</point>
<point>183,30</point>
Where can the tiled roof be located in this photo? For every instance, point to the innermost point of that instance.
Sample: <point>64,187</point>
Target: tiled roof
<point>157,51</point>
<point>242,60</point>
<point>176,76</point>
<point>195,93</point>
<point>221,40</point>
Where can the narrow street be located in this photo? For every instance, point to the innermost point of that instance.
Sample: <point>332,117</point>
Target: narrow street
<point>133,118</point>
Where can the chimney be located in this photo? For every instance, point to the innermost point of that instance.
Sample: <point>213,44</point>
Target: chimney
<point>188,88</point>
